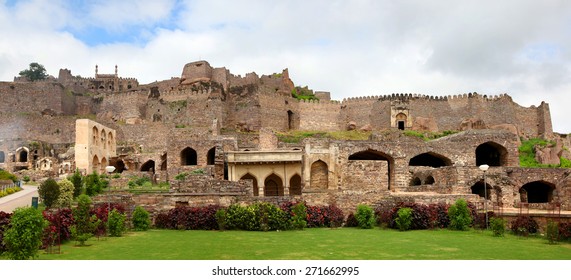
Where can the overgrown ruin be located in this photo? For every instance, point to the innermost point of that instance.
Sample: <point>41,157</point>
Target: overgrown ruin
<point>222,130</point>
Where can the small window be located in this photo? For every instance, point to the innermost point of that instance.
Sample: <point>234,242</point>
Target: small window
<point>401,125</point>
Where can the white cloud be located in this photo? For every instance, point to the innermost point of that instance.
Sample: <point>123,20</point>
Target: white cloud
<point>351,48</point>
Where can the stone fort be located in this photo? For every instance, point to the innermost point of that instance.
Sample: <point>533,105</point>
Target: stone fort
<point>223,130</point>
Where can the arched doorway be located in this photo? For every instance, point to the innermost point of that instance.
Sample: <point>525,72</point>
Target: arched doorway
<point>188,156</point>
<point>273,186</point>
<point>149,165</point>
<point>119,165</point>
<point>537,192</point>
<point>492,154</point>
<point>415,182</point>
<point>95,164</point>
<point>210,156</point>
<point>164,162</point>
<point>401,120</point>
<point>2,157</point>
<point>103,165</point>
<point>430,159</point>
<point>376,156</point>
<point>295,185</point>
<point>290,121</point>
<point>22,155</point>
<point>249,176</point>
<point>429,180</point>
<point>478,188</point>
<point>319,175</point>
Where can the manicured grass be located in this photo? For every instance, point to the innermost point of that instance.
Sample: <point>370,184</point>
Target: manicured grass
<point>314,244</point>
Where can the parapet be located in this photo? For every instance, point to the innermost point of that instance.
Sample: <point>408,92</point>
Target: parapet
<point>199,71</point>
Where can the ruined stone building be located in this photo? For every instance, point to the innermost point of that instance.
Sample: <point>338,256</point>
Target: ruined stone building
<point>222,128</point>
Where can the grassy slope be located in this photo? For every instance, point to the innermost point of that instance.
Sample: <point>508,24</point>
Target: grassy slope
<point>315,244</point>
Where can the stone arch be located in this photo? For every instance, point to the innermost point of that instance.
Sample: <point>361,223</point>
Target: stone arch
<point>103,164</point>
<point>273,186</point>
<point>249,176</point>
<point>415,182</point>
<point>148,166</point>
<point>22,154</point>
<point>478,188</point>
<point>95,134</point>
<point>119,165</point>
<point>188,156</point>
<point>429,180</point>
<point>290,120</point>
<point>103,139</point>
<point>2,157</point>
<point>110,141</point>
<point>430,159</point>
<point>295,185</point>
<point>95,164</point>
<point>210,156</point>
<point>492,154</point>
<point>376,155</point>
<point>319,176</point>
<point>401,120</point>
<point>537,192</point>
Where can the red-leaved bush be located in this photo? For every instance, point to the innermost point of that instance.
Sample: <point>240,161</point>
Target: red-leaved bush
<point>324,216</point>
<point>101,211</point>
<point>58,230</point>
<point>189,218</point>
<point>564,231</point>
<point>4,223</point>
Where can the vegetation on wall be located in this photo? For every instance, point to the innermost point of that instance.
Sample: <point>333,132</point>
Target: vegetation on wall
<point>527,153</point>
<point>298,135</point>
<point>427,135</point>
<point>303,93</point>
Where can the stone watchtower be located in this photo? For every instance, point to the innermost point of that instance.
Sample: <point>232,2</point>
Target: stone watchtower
<point>199,71</point>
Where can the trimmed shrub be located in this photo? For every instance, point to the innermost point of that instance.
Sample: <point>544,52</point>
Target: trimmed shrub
<point>324,216</point>
<point>404,218</point>
<point>498,226</point>
<point>65,197</point>
<point>221,218</point>
<point>187,218</point>
<point>94,184</point>
<point>552,232</point>
<point>421,215</point>
<point>24,236</point>
<point>524,225</point>
<point>4,223</point>
<point>365,216</point>
<point>384,213</point>
<point>459,215</point>
<point>298,216</point>
<point>101,211</point>
<point>116,223</point>
<point>271,217</point>
<point>49,192</point>
<point>140,219</point>
<point>162,221</point>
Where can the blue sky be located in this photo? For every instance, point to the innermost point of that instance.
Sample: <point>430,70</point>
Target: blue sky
<point>350,48</point>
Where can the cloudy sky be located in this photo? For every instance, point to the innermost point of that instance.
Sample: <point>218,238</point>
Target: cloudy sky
<point>350,48</point>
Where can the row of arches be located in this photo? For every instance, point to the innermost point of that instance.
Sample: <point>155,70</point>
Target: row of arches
<point>489,153</point>
<point>20,156</point>
<point>532,192</point>
<point>102,138</point>
<point>273,185</point>
<point>189,156</point>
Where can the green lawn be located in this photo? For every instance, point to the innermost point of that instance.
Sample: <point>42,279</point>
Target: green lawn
<point>314,244</point>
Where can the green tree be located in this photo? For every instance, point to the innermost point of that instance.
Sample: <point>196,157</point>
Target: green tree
<point>141,219</point>
<point>85,224</point>
<point>459,215</point>
<point>65,193</point>
<point>23,238</point>
<point>116,223</point>
<point>49,192</point>
<point>93,184</point>
<point>77,181</point>
<point>35,72</point>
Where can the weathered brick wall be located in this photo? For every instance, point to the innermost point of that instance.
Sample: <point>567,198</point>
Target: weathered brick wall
<point>319,115</point>
<point>31,97</point>
<point>365,175</point>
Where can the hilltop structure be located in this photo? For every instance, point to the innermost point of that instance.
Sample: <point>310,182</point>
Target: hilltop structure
<point>224,129</point>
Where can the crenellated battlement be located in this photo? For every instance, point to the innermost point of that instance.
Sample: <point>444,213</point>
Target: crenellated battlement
<point>415,96</point>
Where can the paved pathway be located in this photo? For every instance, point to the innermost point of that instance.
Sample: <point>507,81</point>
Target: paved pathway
<point>18,199</point>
